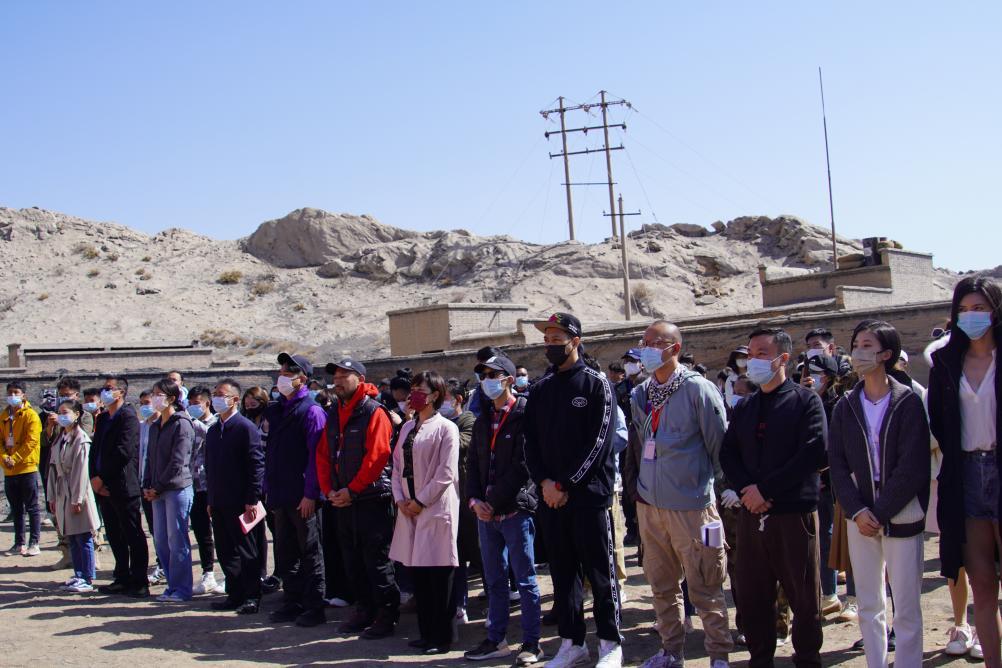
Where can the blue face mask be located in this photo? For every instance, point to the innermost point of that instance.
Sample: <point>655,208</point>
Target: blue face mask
<point>974,323</point>
<point>447,409</point>
<point>145,411</point>
<point>14,402</point>
<point>650,357</point>
<point>220,404</point>
<point>65,419</point>
<point>493,387</point>
<point>521,382</point>
<point>108,396</point>
<point>760,372</point>
<point>314,393</point>
<point>195,411</point>
<point>90,407</point>
<point>735,400</point>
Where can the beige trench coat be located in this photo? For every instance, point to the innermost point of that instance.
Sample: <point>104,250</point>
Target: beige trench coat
<point>69,482</point>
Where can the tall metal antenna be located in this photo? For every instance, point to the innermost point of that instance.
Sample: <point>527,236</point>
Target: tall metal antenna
<point>831,202</point>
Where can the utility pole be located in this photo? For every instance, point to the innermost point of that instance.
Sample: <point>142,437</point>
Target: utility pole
<point>627,299</point>
<point>828,162</point>
<point>567,170</point>
<point>606,148</point>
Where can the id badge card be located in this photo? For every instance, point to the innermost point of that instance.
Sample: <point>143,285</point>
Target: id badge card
<point>650,449</point>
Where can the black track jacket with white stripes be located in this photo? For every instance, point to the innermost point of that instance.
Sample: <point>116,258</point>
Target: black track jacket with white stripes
<point>568,428</point>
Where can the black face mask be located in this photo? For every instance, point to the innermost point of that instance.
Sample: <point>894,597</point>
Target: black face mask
<point>557,354</point>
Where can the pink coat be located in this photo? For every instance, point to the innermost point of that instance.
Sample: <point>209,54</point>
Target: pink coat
<point>430,538</point>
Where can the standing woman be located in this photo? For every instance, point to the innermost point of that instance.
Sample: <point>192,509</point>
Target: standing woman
<point>71,498</point>
<point>167,484</point>
<point>878,451</point>
<point>963,413</point>
<point>426,491</point>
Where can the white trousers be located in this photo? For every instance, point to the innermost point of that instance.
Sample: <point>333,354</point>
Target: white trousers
<point>903,559</point>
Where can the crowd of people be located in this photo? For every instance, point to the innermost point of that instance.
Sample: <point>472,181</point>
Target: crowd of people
<point>790,470</point>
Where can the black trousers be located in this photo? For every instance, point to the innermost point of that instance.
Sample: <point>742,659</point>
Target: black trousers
<point>579,543</point>
<point>126,538</point>
<point>435,606</point>
<point>365,530</point>
<point>336,584</point>
<point>202,528</point>
<point>299,558</point>
<point>238,553</point>
<point>779,549</point>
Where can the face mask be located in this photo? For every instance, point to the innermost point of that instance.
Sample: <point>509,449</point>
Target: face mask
<point>814,352</point>
<point>734,400</point>
<point>145,411</point>
<point>521,382</point>
<point>448,409</point>
<point>819,380</point>
<point>276,395</point>
<point>65,419</point>
<point>284,385</point>
<point>314,394</point>
<point>974,323</point>
<point>90,407</point>
<point>741,363</point>
<point>159,402</point>
<point>865,361</point>
<point>108,396</point>
<point>632,368</point>
<point>557,354</point>
<point>195,411</point>
<point>14,402</point>
<point>221,404</point>
<point>493,387</point>
<point>402,405</point>
<point>760,372</point>
<point>417,400</point>
<point>650,357</point>
<point>252,412</point>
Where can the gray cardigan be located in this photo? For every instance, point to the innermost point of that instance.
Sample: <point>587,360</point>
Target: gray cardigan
<point>168,456</point>
<point>903,499</point>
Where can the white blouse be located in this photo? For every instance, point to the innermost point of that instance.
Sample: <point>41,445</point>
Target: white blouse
<point>977,412</point>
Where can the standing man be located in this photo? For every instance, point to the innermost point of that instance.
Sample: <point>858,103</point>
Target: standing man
<point>680,418</point>
<point>20,433</point>
<point>202,419</point>
<point>504,500</point>
<point>234,476</point>
<point>114,475</point>
<point>569,425</point>
<point>353,468</point>
<point>296,423</point>
<point>772,452</point>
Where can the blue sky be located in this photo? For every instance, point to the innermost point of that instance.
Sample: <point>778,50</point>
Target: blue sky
<point>218,116</point>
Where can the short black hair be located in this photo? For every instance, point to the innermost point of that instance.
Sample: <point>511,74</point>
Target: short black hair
<point>172,390</point>
<point>67,383</point>
<point>91,392</point>
<point>435,383</point>
<point>779,336</point>
<point>886,334</point>
<point>15,385</point>
<point>820,332</point>
<point>616,367</point>
<point>179,374</point>
<point>457,389</point>
<point>686,358</point>
<point>231,382</point>
<point>144,394</point>
<point>488,352</point>
<point>198,392</point>
<point>700,369</point>
<point>121,383</point>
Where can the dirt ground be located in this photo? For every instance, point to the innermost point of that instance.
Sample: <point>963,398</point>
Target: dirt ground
<point>44,627</point>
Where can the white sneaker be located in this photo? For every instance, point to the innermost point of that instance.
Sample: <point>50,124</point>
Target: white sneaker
<point>610,655</point>
<point>663,660</point>
<point>830,604</point>
<point>622,593</point>
<point>514,596</point>
<point>69,583</point>
<point>156,576</point>
<point>208,585</point>
<point>32,551</point>
<point>569,655</point>
<point>850,611</point>
<point>960,641</point>
<point>976,652</point>
<point>781,640</point>
<point>47,522</point>
<point>461,616</point>
<point>336,602</point>
<point>81,587</point>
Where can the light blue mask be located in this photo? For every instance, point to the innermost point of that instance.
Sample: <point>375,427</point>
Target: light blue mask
<point>65,420</point>
<point>493,387</point>
<point>448,409</point>
<point>108,396</point>
<point>521,382</point>
<point>735,400</point>
<point>145,411</point>
<point>14,402</point>
<point>314,393</point>
<point>650,357</point>
<point>195,411</point>
<point>220,404</point>
<point>759,371</point>
<point>90,407</point>
<point>974,323</point>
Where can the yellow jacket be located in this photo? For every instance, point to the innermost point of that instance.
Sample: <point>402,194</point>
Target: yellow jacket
<point>27,431</point>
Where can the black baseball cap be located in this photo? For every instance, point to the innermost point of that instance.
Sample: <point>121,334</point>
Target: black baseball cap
<point>498,363</point>
<point>296,360</point>
<point>823,364</point>
<point>564,321</point>
<point>348,364</point>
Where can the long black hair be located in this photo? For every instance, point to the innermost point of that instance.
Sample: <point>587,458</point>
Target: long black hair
<point>987,288</point>
<point>172,390</point>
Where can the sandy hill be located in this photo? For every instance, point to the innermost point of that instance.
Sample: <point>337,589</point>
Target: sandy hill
<point>317,280</point>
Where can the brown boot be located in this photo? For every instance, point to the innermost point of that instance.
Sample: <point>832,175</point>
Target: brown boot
<point>64,559</point>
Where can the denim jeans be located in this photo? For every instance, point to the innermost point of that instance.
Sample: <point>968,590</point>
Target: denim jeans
<point>826,524</point>
<point>511,539</point>
<point>22,492</point>
<point>170,538</point>
<point>82,555</point>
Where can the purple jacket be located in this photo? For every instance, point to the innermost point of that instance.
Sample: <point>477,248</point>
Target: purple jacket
<point>295,425</point>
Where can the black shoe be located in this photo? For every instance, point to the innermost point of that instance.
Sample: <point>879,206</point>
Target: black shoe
<point>487,649</point>
<point>250,607</point>
<point>630,539</point>
<point>550,618</point>
<point>225,604</point>
<point>311,618</point>
<point>358,622</point>
<point>287,613</point>
<point>270,584</point>
<point>437,649</point>
<point>891,644</point>
<point>528,654</point>
<point>384,625</point>
<point>419,643</point>
<point>138,592</point>
<point>113,588</point>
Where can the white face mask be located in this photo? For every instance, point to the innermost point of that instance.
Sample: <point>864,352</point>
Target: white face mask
<point>159,402</point>
<point>741,363</point>
<point>632,368</point>
<point>761,372</point>
<point>284,385</point>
